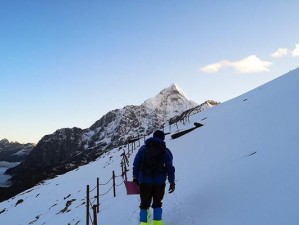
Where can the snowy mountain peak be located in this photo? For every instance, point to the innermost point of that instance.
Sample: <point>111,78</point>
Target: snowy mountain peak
<point>172,100</point>
<point>120,124</point>
<point>177,88</point>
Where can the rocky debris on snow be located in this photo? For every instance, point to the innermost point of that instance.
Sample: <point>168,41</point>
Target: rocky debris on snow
<point>67,196</point>
<point>181,133</point>
<point>19,202</point>
<point>67,205</point>
<point>2,211</point>
<point>36,219</point>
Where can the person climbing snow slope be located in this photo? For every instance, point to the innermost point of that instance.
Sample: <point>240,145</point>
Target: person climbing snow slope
<point>152,166</point>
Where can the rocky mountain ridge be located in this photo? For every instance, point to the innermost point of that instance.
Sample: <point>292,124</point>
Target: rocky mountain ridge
<point>14,151</point>
<point>68,148</point>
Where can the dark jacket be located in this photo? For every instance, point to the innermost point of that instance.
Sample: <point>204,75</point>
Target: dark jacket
<point>160,178</point>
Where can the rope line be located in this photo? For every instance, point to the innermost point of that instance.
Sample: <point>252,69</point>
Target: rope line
<point>120,183</point>
<point>90,219</point>
<point>93,202</point>
<point>93,189</point>
<point>107,181</point>
<point>106,192</point>
<point>90,204</point>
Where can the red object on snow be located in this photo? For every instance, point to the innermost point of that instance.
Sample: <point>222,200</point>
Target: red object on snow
<point>132,188</point>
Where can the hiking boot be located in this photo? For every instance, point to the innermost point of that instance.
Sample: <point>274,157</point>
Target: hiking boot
<point>157,222</point>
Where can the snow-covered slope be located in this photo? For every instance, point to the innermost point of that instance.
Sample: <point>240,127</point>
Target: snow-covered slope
<point>239,168</point>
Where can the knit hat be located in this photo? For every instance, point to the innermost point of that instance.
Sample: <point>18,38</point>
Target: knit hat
<point>159,134</point>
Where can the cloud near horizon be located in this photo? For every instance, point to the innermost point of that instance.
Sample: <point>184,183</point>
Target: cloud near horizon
<point>280,53</point>
<point>250,64</point>
<point>295,52</point>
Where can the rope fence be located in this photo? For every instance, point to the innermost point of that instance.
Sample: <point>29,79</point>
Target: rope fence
<point>93,205</point>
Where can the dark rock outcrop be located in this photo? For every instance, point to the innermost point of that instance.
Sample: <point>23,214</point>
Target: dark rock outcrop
<point>60,148</point>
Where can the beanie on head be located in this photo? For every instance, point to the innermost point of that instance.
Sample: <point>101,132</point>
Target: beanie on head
<point>159,134</point>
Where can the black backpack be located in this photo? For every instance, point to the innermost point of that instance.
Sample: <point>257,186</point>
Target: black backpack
<point>152,163</point>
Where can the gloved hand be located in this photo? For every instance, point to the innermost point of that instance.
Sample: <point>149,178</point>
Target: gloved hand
<point>135,180</point>
<point>171,187</point>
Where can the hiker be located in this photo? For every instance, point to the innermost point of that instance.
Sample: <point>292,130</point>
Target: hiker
<point>152,166</point>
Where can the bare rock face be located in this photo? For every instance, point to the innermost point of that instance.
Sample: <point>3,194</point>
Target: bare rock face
<point>51,152</point>
<point>54,149</point>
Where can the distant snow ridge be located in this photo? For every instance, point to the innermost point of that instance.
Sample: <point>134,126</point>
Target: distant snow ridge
<point>14,151</point>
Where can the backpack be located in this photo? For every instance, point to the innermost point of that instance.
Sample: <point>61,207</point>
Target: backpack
<point>152,163</point>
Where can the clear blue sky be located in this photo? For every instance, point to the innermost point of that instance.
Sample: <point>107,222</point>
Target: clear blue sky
<point>67,63</point>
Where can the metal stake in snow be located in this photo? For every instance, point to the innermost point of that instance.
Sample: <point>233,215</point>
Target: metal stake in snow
<point>114,189</point>
<point>95,222</point>
<point>87,205</point>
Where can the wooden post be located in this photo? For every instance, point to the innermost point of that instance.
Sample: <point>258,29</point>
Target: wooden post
<point>87,205</point>
<point>114,188</point>
<point>128,146</point>
<point>98,195</point>
<point>95,222</point>
<point>126,160</point>
<point>122,167</point>
<point>125,169</point>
